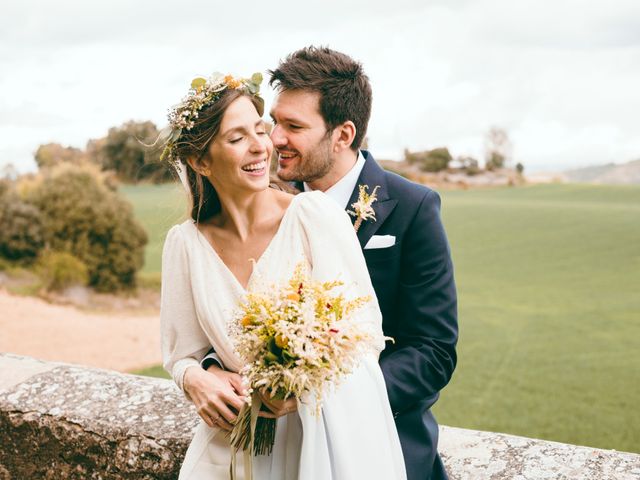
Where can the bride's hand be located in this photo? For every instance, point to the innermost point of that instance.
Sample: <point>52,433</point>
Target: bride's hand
<point>217,394</point>
<point>278,408</point>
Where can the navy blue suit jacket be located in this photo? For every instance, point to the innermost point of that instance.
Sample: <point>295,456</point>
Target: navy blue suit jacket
<point>415,287</point>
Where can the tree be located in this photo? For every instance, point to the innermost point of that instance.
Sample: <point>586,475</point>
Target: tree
<point>52,154</point>
<point>124,150</point>
<point>429,160</point>
<point>469,164</point>
<point>498,148</point>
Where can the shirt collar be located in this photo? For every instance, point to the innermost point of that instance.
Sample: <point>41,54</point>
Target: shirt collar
<point>341,191</point>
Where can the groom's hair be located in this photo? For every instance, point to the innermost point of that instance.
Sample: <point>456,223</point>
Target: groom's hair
<point>345,92</point>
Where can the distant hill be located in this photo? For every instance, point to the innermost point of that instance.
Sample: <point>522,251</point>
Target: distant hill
<point>612,174</point>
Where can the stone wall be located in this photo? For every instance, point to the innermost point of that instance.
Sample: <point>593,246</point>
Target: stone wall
<point>62,421</point>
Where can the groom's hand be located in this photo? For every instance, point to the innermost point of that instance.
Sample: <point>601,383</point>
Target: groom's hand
<point>217,394</point>
<point>278,408</point>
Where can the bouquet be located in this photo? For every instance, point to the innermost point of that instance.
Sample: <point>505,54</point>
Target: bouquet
<point>296,340</point>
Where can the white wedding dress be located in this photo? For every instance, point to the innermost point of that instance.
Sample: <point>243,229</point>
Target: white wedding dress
<point>355,436</point>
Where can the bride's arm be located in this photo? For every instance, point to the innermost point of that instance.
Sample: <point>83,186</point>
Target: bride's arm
<point>215,393</point>
<point>183,342</point>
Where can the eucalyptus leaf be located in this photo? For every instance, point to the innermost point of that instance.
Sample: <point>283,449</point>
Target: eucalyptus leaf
<point>273,348</point>
<point>165,133</point>
<point>270,358</point>
<point>198,82</point>
<point>256,78</point>
<point>175,134</point>
<point>164,153</point>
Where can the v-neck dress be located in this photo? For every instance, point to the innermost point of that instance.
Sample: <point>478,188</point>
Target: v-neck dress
<point>355,435</point>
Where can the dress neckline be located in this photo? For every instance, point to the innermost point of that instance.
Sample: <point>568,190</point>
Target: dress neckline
<point>224,266</point>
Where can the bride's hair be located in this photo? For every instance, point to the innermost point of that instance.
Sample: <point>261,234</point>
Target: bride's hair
<point>195,142</point>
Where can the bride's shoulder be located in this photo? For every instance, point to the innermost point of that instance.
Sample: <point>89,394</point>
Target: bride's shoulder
<point>180,231</point>
<point>317,207</point>
<point>315,199</point>
<point>184,227</point>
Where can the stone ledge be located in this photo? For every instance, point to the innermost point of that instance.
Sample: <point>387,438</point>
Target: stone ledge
<point>471,454</point>
<point>61,421</point>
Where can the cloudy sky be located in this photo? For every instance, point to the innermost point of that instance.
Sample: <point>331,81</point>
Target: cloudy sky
<point>562,77</point>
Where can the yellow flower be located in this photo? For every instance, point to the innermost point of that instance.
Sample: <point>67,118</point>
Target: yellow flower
<point>281,341</point>
<point>294,297</point>
<point>232,82</point>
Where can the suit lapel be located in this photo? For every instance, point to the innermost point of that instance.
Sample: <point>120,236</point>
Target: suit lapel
<point>372,175</point>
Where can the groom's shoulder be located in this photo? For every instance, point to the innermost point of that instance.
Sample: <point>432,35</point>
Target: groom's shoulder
<point>404,190</point>
<point>407,192</point>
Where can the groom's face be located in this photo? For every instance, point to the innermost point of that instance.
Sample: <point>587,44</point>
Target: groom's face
<point>300,136</point>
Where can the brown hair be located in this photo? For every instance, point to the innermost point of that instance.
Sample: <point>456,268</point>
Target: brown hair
<point>195,143</point>
<point>345,92</point>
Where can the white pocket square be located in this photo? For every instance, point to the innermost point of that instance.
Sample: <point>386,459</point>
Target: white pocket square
<point>380,241</point>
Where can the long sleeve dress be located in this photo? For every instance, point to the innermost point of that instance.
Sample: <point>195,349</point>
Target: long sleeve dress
<point>354,437</point>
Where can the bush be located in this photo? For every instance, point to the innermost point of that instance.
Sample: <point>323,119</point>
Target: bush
<point>61,270</point>
<point>5,187</point>
<point>5,264</point>
<point>429,160</point>
<point>470,165</point>
<point>87,219</point>
<point>21,229</point>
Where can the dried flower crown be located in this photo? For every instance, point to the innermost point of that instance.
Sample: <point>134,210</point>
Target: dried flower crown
<point>203,92</point>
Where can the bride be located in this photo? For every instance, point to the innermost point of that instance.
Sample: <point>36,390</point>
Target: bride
<point>219,144</point>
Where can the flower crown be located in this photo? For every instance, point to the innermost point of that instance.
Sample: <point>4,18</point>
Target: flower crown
<point>203,92</point>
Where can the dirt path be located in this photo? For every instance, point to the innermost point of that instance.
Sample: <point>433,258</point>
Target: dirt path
<point>33,327</point>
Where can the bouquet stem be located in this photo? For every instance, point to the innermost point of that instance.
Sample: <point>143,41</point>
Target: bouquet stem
<point>265,436</point>
<point>250,430</point>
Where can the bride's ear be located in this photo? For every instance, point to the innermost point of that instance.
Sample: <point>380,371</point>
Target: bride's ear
<point>200,166</point>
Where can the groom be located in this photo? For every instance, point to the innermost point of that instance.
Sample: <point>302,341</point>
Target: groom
<point>320,116</point>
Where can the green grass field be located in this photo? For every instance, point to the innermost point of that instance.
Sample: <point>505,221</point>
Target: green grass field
<point>549,286</point>
<point>158,208</point>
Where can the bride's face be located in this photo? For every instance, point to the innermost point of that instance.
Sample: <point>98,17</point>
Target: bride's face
<point>240,154</point>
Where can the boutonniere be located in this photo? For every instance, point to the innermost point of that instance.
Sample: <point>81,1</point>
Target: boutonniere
<point>362,209</point>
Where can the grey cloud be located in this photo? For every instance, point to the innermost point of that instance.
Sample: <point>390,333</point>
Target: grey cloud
<point>40,23</point>
<point>566,24</point>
